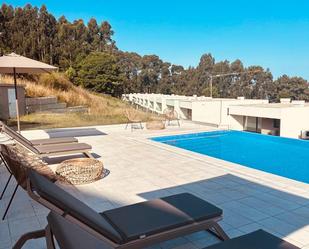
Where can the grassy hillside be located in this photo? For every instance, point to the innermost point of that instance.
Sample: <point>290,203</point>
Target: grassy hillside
<point>103,109</point>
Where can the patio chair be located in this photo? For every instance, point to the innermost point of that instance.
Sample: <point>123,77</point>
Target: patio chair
<point>17,163</point>
<point>171,115</point>
<point>48,141</point>
<point>132,120</point>
<point>129,227</point>
<point>71,236</point>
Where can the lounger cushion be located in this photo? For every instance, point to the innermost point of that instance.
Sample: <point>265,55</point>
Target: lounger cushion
<point>59,140</point>
<point>255,240</point>
<point>155,216</point>
<point>72,236</point>
<point>70,205</point>
<point>59,148</point>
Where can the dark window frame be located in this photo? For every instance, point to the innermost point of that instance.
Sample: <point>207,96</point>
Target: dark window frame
<point>276,123</point>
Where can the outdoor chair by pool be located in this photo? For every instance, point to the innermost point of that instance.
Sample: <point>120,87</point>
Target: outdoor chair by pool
<point>129,227</point>
<point>48,141</point>
<point>170,116</point>
<point>71,236</point>
<point>18,161</point>
<point>52,148</point>
<point>132,120</point>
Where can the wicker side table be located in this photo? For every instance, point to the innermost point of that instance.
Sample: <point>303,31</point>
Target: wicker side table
<point>155,125</point>
<point>80,171</point>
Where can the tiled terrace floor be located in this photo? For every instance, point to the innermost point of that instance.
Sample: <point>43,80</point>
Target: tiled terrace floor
<point>141,169</point>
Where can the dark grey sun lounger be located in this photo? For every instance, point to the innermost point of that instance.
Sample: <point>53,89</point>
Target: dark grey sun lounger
<point>52,148</point>
<point>48,141</point>
<point>130,227</point>
<point>71,236</point>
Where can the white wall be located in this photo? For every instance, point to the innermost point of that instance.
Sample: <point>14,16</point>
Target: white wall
<point>255,111</point>
<point>236,122</point>
<point>216,111</point>
<point>293,121</point>
<point>206,111</point>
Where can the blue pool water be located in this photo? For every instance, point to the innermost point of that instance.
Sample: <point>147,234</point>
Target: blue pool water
<point>281,156</point>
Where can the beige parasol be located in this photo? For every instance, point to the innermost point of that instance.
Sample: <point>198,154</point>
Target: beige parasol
<point>17,64</point>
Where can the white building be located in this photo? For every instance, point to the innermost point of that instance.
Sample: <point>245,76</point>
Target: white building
<point>287,119</point>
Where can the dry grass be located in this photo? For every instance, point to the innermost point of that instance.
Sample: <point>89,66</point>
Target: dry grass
<point>103,109</point>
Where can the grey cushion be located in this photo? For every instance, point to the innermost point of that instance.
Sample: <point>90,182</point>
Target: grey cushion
<point>58,148</point>
<point>255,240</point>
<point>73,206</point>
<point>159,215</point>
<point>60,140</point>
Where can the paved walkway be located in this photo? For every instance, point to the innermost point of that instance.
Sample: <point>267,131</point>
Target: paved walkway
<point>141,169</point>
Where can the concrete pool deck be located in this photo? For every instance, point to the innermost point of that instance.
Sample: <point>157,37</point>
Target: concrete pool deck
<point>141,169</point>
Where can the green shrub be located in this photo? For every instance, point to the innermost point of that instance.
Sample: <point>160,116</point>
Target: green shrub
<point>99,72</point>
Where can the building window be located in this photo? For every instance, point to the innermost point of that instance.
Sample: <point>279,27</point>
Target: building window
<point>276,123</point>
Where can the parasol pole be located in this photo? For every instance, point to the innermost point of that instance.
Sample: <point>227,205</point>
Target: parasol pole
<point>16,98</point>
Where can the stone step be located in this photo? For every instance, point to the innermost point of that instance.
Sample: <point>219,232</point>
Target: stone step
<point>47,107</point>
<point>74,109</point>
<point>41,101</point>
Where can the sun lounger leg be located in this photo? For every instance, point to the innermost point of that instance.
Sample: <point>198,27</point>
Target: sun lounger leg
<point>10,202</point>
<point>5,187</point>
<point>50,243</point>
<point>32,235</point>
<point>5,163</point>
<point>88,154</point>
<point>218,232</point>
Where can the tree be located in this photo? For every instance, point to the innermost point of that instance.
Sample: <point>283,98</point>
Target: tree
<point>93,33</point>
<point>295,88</point>
<point>99,72</point>
<point>37,34</point>
<point>46,35</point>
<point>130,66</point>
<point>203,72</point>
<point>6,17</point>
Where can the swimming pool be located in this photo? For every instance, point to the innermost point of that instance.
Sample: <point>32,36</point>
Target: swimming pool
<point>281,156</point>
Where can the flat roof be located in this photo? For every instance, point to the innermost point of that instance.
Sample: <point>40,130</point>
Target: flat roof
<point>275,105</point>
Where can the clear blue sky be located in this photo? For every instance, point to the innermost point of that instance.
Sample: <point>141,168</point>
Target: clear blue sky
<point>273,34</point>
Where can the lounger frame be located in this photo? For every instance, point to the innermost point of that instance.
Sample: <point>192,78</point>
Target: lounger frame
<point>30,147</point>
<point>85,153</point>
<point>210,225</point>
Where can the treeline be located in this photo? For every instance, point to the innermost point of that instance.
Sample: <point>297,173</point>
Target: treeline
<point>122,72</point>
<point>89,56</point>
<point>37,34</point>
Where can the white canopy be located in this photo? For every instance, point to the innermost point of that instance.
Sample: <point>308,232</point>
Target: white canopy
<point>23,65</point>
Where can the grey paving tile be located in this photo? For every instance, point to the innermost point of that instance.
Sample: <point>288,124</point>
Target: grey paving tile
<point>5,236</point>
<point>263,206</point>
<point>21,226</point>
<point>244,210</point>
<point>278,226</point>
